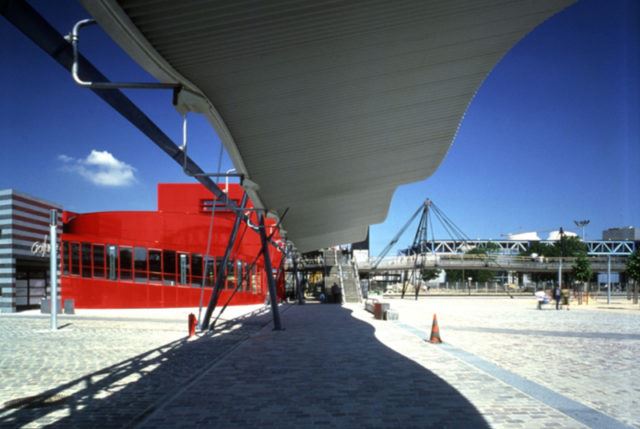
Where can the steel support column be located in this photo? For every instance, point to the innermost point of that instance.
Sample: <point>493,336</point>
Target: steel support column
<point>269,270</point>
<point>296,278</point>
<point>220,275</point>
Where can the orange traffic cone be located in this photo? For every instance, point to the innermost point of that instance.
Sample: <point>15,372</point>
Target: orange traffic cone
<point>435,332</point>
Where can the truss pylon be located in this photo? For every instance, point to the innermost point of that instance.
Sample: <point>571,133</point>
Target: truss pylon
<point>418,247</point>
<point>422,233</point>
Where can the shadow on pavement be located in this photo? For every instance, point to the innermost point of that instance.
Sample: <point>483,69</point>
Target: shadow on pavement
<point>326,369</point>
<point>118,395</point>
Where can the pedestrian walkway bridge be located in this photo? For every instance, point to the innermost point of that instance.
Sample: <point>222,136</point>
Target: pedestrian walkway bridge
<point>488,262</point>
<point>515,247</point>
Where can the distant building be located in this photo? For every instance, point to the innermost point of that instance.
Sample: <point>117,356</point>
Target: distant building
<point>525,236</point>
<point>555,235</point>
<point>619,234</point>
<point>135,259</point>
<point>24,248</point>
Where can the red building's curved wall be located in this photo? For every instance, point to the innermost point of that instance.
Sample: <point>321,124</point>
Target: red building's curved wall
<point>156,259</point>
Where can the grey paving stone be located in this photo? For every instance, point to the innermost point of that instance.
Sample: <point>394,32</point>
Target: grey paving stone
<point>332,366</point>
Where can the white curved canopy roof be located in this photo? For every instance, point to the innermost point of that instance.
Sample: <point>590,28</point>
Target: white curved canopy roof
<point>328,106</point>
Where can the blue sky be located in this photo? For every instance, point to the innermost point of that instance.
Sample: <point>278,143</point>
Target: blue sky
<point>552,135</point>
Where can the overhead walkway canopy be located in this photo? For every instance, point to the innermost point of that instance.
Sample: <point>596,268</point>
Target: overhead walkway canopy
<point>328,106</point>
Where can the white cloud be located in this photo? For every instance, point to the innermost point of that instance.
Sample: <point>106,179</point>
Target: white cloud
<point>100,168</point>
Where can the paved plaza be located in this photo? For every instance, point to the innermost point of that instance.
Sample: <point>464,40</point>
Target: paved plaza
<point>504,364</point>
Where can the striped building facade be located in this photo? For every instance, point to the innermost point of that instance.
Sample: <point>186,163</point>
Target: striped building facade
<point>24,259</point>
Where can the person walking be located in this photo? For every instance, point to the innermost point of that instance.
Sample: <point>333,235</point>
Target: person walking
<point>557,294</point>
<point>566,294</point>
<point>335,291</point>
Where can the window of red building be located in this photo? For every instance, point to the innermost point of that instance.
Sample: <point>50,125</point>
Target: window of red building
<point>98,260</point>
<point>169,266</point>
<point>126,263</point>
<point>155,265</point>
<point>86,259</point>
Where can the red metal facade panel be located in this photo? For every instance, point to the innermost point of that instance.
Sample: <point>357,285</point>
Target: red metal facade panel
<point>155,259</point>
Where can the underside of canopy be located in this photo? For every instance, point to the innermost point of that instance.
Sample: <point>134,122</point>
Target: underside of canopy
<point>328,106</point>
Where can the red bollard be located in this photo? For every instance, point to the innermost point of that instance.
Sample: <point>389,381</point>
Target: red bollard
<point>192,325</point>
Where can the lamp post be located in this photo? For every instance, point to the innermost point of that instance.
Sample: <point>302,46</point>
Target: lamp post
<point>609,278</point>
<point>53,268</point>
<point>582,224</point>
<point>561,255</point>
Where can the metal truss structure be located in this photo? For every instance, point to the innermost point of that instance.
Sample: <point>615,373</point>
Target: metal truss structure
<point>515,247</point>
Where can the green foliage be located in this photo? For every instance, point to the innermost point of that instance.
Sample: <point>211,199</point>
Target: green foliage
<point>568,246</point>
<point>476,275</point>
<point>633,266</point>
<point>542,249</point>
<point>582,268</point>
<point>429,274</point>
<point>489,247</point>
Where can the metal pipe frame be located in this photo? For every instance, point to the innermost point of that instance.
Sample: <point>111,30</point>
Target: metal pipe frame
<point>35,27</point>
<point>221,274</point>
<point>28,21</point>
<point>185,147</point>
<point>74,38</point>
<point>277,325</point>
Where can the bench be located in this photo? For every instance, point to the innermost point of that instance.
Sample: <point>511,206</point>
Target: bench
<point>380,310</point>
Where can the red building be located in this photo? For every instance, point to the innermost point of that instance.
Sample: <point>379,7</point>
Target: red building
<point>137,259</point>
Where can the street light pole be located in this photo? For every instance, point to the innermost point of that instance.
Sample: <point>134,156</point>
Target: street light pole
<point>561,255</point>
<point>582,224</point>
<point>53,268</point>
<point>609,279</point>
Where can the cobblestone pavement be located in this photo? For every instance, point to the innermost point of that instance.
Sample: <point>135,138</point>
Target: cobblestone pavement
<point>588,354</point>
<point>105,368</point>
<point>332,366</point>
<point>327,369</point>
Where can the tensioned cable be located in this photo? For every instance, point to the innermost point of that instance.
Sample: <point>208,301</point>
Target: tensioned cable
<point>463,237</point>
<point>433,233</point>
<point>213,215</point>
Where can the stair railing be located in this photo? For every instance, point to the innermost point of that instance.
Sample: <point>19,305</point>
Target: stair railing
<point>356,277</point>
<point>339,264</point>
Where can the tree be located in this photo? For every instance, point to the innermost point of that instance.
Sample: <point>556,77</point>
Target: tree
<point>570,246</point>
<point>633,271</point>
<point>480,276</point>
<point>429,274</point>
<point>567,246</point>
<point>633,266</point>
<point>582,272</point>
<point>582,268</point>
<point>539,248</point>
